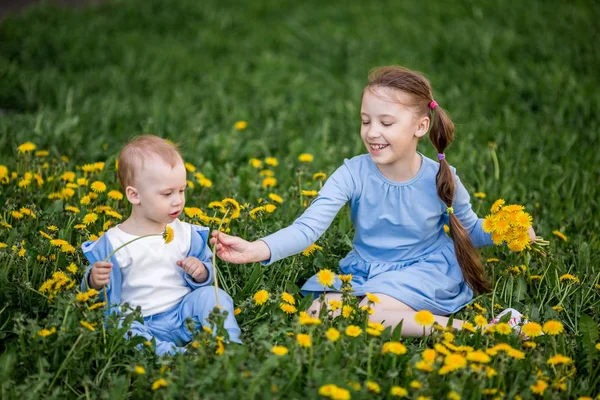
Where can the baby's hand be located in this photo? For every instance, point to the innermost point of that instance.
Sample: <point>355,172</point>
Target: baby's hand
<point>194,268</point>
<point>100,274</point>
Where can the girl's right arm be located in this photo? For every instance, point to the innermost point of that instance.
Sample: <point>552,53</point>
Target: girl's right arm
<point>336,192</point>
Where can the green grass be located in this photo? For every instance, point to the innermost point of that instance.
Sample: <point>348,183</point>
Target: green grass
<point>81,82</point>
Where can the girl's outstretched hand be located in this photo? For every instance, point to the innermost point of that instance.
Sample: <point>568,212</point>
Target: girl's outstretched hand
<point>236,250</point>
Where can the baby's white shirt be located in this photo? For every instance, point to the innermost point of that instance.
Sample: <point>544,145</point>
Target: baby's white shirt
<point>151,278</point>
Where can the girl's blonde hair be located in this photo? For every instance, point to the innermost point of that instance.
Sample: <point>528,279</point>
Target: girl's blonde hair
<point>441,134</point>
<point>136,152</point>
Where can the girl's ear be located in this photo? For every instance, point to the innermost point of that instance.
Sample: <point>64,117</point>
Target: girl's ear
<point>132,195</point>
<point>422,126</point>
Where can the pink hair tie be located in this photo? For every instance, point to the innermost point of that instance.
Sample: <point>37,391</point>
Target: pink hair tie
<point>433,104</point>
<point>441,156</point>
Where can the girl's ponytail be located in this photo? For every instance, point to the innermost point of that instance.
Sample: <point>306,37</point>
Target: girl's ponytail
<point>441,135</point>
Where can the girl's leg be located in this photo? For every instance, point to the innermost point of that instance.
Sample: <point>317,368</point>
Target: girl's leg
<point>390,312</point>
<point>315,307</point>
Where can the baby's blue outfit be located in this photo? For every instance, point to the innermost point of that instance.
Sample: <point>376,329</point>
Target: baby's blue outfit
<point>400,248</point>
<point>168,328</point>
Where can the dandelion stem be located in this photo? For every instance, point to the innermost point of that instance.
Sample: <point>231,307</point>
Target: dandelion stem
<point>214,260</point>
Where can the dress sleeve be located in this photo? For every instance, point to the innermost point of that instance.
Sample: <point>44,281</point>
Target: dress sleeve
<point>470,221</point>
<point>199,249</point>
<point>305,230</point>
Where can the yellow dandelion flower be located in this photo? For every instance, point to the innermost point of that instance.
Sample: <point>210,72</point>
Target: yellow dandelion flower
<point>205,182</point>
<point>159,383</point>
<point>72,209</point>
<point>269,182</point>
<point>332,334</point>
<point>532,329</point>
<point>256,212</point>
<point>26,147</point>
<point>3,245</point>
<point>261,297</point>
<point>480,195</point>
<point>88,326</point>
<point>319,176</point>
<point>326,277</point>
<point>396,348</point>
<point>569,278</point>
<point>373,387</point>
<point>398,391</point>
<point>560,235</point>
<point>276,198</point>
<point>415,384</point>
<point>139,370</point>
<point>306,319</point>
<point>454,395</point>
<point>311,249</point>
<point>497,205</point>
<point>539,387</point>
<point>347,278</point>
<point>304,340</point>
<point>98,187</point>
<point>240,125</point>
<point>189,167</point>
<point>503,328</point>
<point>168,235</point>
<point>115,195</point>
<point>270,208</point>
<point>516,354</point>
<point>424,318</point>
<point>558,308</point>
<point>335,304</point>
<point>272,161</point>
<point>305,157</point>
<point>372,298</point>
<point>553,327</point>
<point>255,162</point>
<point>559,359</point>
<point>97,305</point>
<point>279,350</point>
<point>232,206</point>
<point>47,332</point>
<point>480,320</point>
<point>530,344</point>
<point>347,310</point>
<point>267,173</point>
<point>327,390</point>
<point>90,218</point>
<point>353,331</point>
<point>288,298</point>
<point>288,308</point>
<point>309,193</point>
<point>478,357</point>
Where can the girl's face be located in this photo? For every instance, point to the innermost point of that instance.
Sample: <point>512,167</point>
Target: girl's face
<point>390,128</point>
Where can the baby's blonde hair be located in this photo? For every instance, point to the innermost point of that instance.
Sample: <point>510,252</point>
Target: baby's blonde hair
<point>133,155</point>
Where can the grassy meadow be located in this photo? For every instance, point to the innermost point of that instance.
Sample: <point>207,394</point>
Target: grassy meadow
<point>246,88</point>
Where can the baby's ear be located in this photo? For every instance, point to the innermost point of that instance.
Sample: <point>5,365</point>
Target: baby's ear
<point>132,195</point>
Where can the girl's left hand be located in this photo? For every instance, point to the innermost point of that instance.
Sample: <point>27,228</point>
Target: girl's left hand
<point>531,234</point>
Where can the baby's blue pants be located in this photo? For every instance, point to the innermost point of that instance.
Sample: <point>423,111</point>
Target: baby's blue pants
<point>169,327</point>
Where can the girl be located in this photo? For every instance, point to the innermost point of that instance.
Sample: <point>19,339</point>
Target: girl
<point>400,201</point>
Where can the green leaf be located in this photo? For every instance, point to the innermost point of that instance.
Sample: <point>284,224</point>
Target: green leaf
<point>589,336</point>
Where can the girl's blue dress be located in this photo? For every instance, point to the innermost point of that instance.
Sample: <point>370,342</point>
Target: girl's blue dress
<point>400,248</point>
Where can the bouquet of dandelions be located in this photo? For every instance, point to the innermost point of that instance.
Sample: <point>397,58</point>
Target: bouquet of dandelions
<point>510,224</point>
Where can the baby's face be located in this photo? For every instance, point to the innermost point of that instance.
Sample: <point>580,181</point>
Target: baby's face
<point>161,190</point>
